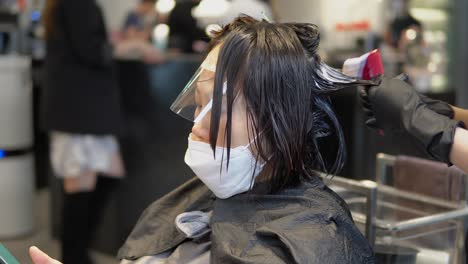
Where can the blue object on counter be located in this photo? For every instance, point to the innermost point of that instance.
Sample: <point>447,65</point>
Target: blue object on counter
<point>2,154</point>
<point>35,15</point>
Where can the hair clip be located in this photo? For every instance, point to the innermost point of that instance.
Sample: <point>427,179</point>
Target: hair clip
<point>265,17</point>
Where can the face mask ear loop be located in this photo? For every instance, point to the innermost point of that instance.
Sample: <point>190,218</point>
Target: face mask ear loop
<point>203,113</point>
<point>208,106</point>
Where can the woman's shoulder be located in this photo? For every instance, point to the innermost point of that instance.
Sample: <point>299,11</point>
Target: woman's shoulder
<point>155,230</point>
<point>314,195</point>
<point>311,197</point>
<point>308,222</point>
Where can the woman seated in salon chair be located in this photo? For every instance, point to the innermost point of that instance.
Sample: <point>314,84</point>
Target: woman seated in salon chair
<point>260,108</point>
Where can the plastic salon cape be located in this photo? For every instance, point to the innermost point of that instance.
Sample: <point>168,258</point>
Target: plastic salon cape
<point>305,224</point>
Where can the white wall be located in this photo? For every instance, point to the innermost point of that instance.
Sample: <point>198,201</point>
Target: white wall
<point>115,11</point>
<point>297,10</point>
<point>327,13</point>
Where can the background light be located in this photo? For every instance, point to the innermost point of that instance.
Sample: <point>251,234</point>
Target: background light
<point>411,34</point>
<point>432,67</point>
<point>161,32</point>
<point>165,6</point>
<point>210,8</point>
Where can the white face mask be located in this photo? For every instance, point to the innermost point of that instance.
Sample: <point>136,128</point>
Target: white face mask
<point>226,183</point>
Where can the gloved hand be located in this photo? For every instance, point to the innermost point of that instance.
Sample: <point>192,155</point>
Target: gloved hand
<point>438,106</point>
<point>395,106</point>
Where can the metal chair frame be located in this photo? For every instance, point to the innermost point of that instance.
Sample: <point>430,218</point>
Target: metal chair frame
<point>457,212</point>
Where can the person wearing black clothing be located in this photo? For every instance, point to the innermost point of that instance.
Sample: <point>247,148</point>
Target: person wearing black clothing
<point>80,109</point>
<point>184,31</point>
<point>80,79</point>
<point>140,21</point>
<point>402,21</point>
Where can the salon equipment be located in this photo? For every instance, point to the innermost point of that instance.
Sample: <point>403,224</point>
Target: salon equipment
<point>16,140</point>
<point>410,214</point>
<point>9,25</point>
<point>6,257</point>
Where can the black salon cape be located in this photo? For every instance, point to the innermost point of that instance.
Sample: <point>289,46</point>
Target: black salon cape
<point>305,224</point>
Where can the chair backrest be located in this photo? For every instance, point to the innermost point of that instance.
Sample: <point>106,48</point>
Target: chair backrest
<point>436,184</point>
<point>425,177</point>
<point>430,178</point>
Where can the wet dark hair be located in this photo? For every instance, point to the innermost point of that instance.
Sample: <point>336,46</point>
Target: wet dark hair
<point>286,87</point>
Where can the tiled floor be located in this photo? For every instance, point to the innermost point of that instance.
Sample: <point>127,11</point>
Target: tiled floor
<point>42,238</point>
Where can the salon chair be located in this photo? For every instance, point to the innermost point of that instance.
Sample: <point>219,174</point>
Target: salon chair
<point>416,206</point>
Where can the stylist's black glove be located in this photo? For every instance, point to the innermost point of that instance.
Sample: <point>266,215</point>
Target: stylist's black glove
<point>395,106</point>
<point>438,106</point>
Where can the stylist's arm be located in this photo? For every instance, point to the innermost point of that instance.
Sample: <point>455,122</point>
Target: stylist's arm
<point>39,257</point>
<point>445,109</point>
<point>395,106</point>
<point>459,154</point>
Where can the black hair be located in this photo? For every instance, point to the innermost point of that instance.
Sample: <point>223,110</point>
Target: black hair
<point>286,87</point>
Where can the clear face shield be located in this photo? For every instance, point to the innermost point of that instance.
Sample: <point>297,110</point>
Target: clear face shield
<point>195,101</point>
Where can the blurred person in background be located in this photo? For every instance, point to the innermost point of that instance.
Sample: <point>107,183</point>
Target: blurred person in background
<point>140,21</point>
<point>408,51</point>
<point>185,35</point>
<point>403,20</point>
<point>82,113</point>
<point>135,42</point>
